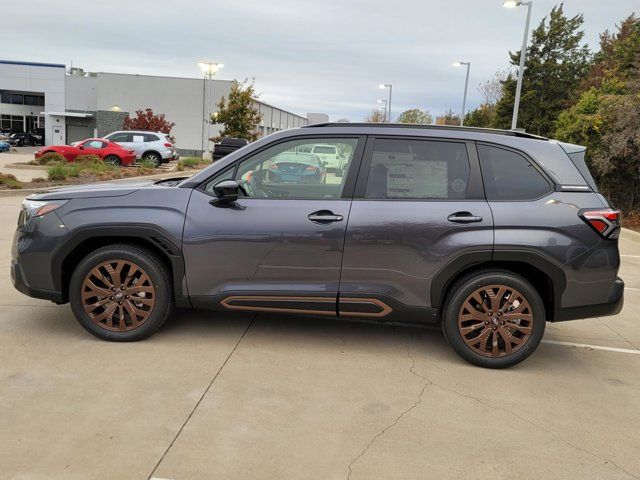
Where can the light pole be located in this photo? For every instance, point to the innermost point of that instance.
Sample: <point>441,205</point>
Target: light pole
<point>209,69</point>
<point>385,102</point>
<point>516,104</point>
<point>466,86</point>
<point>390,87</point>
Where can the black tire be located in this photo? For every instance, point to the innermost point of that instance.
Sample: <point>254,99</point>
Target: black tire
<point>113,160</point>
<point>154,158</point>
<point>461,291</point>
<point>159,278</point>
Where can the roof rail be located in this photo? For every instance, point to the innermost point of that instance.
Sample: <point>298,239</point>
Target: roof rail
<point>513,133</point>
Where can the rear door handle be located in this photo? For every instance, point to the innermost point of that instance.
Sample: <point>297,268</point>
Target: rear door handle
<point>463,217</point>
<point>324,216</point>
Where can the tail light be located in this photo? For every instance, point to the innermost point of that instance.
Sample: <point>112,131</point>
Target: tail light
<point>604,221</point>
<point>168,145</point>
<point>310,169</point>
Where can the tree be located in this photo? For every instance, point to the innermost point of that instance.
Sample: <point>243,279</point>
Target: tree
<point>376,116</point>
<point>238,115</point>
<point>448,118</point>
<point>147,120</point>
<point>606,116</point>
<point>556,63</point>
<point>491,93</point>
<point>482,116</point>
<point>415,115</point>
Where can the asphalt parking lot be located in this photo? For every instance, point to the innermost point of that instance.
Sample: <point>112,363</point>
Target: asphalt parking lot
<point>245,396</point>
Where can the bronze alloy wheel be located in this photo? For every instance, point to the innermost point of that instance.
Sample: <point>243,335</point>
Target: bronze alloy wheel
<point>118,295</point>
<point>495,321</point>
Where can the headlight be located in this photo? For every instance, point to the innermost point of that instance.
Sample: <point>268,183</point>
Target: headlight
<point>37,208</point>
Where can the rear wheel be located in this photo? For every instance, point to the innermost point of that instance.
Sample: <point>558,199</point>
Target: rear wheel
<point>153,158</point>
<point>121,293</point>
<point>113,160</point>
<point>494,318</point>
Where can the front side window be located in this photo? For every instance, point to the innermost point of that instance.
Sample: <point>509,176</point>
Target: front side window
<point>94,144</point>
<point>507,175</point>
<point>291,170</point>
<point>418,169</point>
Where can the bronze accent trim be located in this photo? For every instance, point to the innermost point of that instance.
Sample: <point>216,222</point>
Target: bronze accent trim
<point>226,302</point>
<point>385,309</point>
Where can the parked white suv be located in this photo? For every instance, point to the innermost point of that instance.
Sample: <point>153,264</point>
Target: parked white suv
<point>155,147</point>
<point>330,157</point>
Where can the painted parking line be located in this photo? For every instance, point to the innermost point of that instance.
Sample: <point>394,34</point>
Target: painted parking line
<point>630,256</point>
<point>631,288</point>
<point>593,347</point>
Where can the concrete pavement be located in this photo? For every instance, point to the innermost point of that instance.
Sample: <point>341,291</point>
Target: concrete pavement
<point>253,397</point>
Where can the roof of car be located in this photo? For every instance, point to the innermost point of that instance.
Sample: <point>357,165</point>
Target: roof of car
<point>513,133</point>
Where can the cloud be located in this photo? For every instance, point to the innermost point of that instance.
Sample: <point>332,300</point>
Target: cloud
<point>305,55</point>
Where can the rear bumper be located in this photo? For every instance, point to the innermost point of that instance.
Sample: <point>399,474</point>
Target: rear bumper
<point>611,307</point>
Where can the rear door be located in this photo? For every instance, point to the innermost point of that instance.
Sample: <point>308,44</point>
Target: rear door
<point>418,215</point>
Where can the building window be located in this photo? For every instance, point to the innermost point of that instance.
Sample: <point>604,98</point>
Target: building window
<point>17,99</point>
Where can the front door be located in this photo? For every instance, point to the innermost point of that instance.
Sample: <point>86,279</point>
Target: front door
<point>418,213</point>
<point>279,247</point>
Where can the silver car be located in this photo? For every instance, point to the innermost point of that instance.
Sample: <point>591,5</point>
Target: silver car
<point>155,147</point>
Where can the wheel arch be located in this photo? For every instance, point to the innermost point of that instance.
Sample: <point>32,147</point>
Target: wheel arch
<point>67,255</point>
<point>546,277</point>
<point>151,151</point>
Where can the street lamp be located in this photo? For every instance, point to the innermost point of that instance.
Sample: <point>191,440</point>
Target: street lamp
<point>209,69</point>
<point>384,109</point>
<point>516,104</point>
<point>466,85</point>
<point>390,87</point>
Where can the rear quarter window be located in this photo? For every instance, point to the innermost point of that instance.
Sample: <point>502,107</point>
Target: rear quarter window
<point>507,175</point>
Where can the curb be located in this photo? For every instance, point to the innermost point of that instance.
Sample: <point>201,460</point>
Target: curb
<point>159,176</point>
<point>631,234</point>
<point>24,166</point>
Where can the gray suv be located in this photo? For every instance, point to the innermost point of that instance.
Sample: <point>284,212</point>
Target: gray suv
<point>488,233</point>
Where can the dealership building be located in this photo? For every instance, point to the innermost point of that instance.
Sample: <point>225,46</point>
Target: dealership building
<point>71,105</point>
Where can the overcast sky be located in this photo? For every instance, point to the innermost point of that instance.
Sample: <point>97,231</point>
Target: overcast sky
<point>306,56</point>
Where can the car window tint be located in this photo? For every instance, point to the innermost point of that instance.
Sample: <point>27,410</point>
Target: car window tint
<point>120,137</point>
<point>149,137</point>
<point>508,175</point>
<point>418,169</point>
<point>291,170</point>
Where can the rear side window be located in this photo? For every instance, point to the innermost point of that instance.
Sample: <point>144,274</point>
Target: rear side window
<point>418,169</point>
<point>150,137</point>
<point>120,137</point>
<point>508,175</point>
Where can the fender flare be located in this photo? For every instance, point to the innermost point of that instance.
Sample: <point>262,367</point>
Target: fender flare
<point>157,236</point>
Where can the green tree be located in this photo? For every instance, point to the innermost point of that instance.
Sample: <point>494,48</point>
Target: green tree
<point>239,114</point>
<point>556,63</point>
<point>448,118</point>
<point>482,116</point>
<point>606,116</point>
<point>416,116</point>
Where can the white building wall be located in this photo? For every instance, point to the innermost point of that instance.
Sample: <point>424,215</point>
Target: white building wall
<point>35,78</point>
<point>81,93</point>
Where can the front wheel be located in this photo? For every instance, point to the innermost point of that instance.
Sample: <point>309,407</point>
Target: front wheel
<point>494,318</point>
<point>121,293</point>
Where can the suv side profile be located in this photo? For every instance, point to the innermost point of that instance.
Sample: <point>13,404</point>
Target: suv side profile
<point>155,147</point>
<point>488,233</point>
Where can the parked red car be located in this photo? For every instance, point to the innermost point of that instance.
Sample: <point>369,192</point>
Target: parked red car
<point>108,151</point>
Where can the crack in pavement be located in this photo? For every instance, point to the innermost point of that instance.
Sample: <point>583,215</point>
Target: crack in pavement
<point>618,333</point>
<point>429,382</point>
<point>397,419</point>
<point>201,398</point>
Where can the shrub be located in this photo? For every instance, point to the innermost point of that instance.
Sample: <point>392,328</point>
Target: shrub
<point>88,160</point>
<point>57,171</point>
<point>38,180</point>
<point>50,157</point>
<point>191,162</point>
<point>147,164</point>
<point>10,181</point>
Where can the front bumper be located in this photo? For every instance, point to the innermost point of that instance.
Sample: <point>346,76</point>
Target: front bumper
<point>19,282</point>
<point>611,307</point>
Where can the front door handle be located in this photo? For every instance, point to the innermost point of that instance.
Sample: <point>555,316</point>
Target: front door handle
<point>463,217</point>
<point>324,216</point>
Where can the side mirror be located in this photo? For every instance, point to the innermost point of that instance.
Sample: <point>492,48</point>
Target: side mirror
<point>81,147</point>
<point>227,191</point>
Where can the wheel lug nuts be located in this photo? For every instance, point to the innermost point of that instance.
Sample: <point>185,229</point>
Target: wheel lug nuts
<point>494,328</point>
<point>120,303</point>
<point>110,298</point>
<point>499,313</point>
<point>113,289</point>
<point>486,323</point>
<point>502,323</point>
